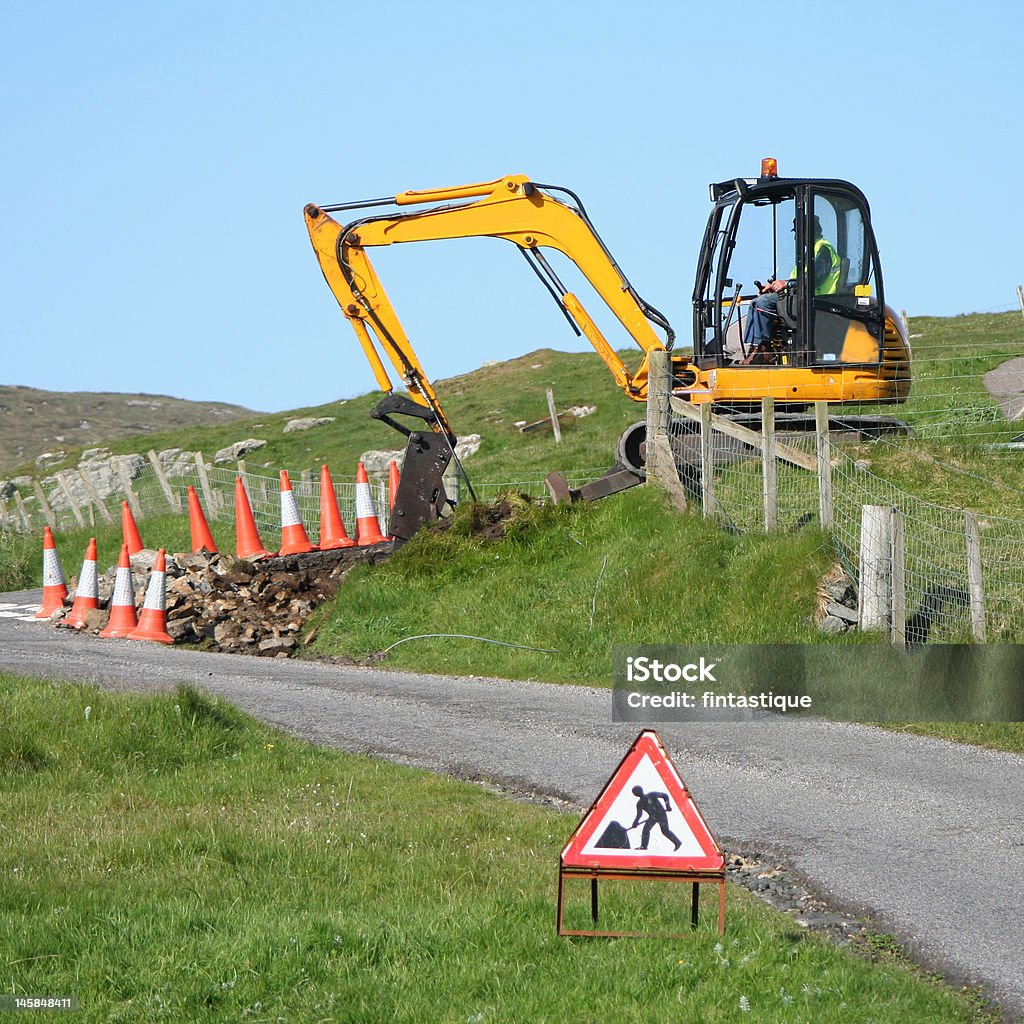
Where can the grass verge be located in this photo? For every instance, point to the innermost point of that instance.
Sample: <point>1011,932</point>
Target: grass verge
<point>575,580</point>
<point>168,858</point>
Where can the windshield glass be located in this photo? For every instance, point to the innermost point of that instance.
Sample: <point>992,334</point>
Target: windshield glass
<point>765,245</point>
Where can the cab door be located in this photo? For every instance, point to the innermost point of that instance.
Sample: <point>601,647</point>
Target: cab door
<point>843,280</point>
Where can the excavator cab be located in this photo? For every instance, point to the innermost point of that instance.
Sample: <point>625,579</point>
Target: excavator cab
<point>814,235</point>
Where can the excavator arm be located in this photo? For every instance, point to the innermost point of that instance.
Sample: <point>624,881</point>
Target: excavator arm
<point>513,208</point>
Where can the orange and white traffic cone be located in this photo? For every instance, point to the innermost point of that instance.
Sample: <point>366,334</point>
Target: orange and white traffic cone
<point>153,620</point>
<point>394,479</point>
<point>201,536</point>
<point>122,602</point>
<point>294,539</point>
<point>129,531</point>
<point>55,587</point>
<point>247,537</point>
<point>367,525</point>
<point>87,596</point>
<point>332,526</point>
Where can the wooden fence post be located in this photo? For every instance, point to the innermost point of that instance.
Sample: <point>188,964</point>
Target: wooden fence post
<point>1020,298</point>
<point>769,473</point>
<point>95,495</point>
<point>126,483</point>
<point>897,559</point>
<point>75,511</point>
<point>204,483</point>
<point>245,478</point>
<point>51,519</point>
<point>975,580</point>
<point>824,446</point>
<point>873,603</point>
<point>26,521</point>
<point>707,460</point>
<point>173,500</point>
<point>3,513</point>
<point>555,425</point>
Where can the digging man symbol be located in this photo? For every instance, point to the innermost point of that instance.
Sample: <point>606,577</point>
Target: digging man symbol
<point>656,806</point>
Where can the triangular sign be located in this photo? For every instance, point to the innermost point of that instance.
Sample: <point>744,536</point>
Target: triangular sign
<point>644,819</point>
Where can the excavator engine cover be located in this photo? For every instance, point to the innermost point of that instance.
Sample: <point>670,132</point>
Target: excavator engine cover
<point>421,497</point>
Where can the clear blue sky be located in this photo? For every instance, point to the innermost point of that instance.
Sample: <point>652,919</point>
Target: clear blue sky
<point>156,160</point>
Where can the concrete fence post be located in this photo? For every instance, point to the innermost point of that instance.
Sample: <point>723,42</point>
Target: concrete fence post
<point>873,605</point>
<point>659,369</point>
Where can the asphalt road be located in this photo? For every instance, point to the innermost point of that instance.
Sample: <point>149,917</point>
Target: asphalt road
<point>926,837</point>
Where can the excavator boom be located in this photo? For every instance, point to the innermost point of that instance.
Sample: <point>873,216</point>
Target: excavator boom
<point>512,208</point>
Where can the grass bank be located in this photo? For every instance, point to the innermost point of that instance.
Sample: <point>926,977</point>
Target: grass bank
<point>575,580</point>
<point>168,858</point>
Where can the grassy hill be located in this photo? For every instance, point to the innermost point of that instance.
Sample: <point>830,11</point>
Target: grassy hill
<point>34,421</point>
<point>950,461</point>
<point>487,401</point>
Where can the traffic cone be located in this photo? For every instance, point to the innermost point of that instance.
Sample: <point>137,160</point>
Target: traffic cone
<point>122,603</point>
<point>201,536</point>
<point>294,540</point>
<point>87,596</point>
<point>332,526</point>
<point>367,526</point>
<point>247,537</point>
<point>55,588</point>
<point>153,620</point>
<point>129,531</point>
<point>394,479</point>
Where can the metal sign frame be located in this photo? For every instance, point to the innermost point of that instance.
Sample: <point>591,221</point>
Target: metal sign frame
<point>709,869</point>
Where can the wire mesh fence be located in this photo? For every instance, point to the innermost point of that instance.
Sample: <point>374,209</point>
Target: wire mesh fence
<point>91,495</point>
<point>726,477</point>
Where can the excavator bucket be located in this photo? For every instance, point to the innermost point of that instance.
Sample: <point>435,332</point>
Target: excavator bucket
<point>421,496</point>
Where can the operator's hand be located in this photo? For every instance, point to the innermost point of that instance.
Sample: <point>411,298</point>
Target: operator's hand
<point>778,285</point>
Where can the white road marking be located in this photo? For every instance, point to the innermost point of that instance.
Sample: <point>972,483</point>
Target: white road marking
<point>23,612</point>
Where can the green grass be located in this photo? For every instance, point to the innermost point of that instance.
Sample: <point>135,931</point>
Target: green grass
<point>995,735</point>
<point>21,555</point>
<point>488,401</point>
<point>167,858</point>
<point>954,419</point>
<point>576,579</point>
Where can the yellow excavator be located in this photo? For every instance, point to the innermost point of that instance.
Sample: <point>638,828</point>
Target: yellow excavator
<point>830,336</point>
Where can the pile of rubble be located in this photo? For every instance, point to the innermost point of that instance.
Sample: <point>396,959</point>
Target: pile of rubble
<point>242,607</point>
<point>837,602</point>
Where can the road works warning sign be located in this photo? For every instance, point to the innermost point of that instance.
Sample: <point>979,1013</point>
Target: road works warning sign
<point>644,820</point>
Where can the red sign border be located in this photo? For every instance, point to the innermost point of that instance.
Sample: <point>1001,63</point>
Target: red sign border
<point>649,743</point>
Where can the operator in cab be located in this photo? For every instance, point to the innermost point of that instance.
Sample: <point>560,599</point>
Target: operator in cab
<point>763,313</point>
